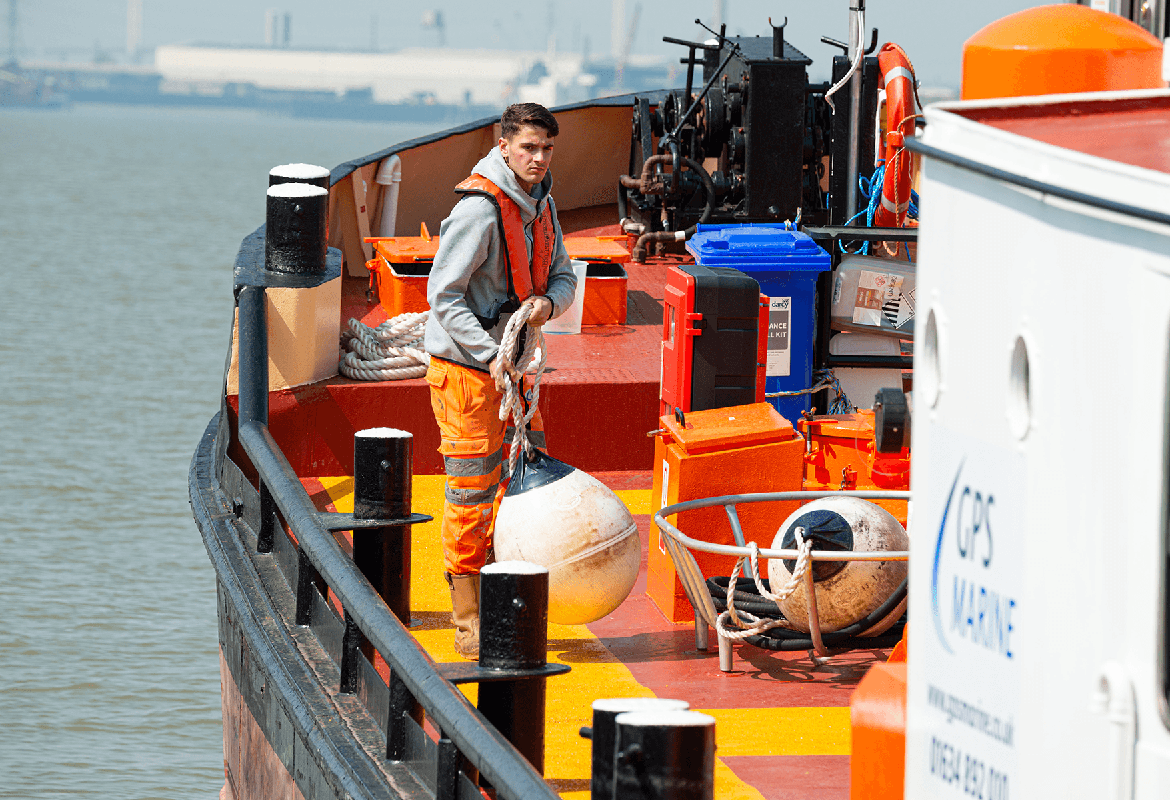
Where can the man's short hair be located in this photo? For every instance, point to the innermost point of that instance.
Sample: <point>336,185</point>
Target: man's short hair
<point>518,115</point>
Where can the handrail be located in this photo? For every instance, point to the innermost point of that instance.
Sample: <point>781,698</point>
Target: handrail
<point>484,747</point>
<point>739,551</point>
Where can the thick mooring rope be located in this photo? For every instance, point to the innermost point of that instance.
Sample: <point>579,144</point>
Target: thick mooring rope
<point>390,352</point>
<point>520,407</point>
<point>760,624</point>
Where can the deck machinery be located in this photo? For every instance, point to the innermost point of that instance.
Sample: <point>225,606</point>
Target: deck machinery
<point>752,141</point>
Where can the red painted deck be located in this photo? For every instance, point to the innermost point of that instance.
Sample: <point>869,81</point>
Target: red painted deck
<point>1135,132</point>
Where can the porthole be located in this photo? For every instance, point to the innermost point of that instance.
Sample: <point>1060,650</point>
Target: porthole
<point>928,369</point>
<point>1019,400</point>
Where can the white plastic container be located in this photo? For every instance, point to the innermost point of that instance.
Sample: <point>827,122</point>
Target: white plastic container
<point>874,295</point>
<point>570,321</point>
<point>861,384</point>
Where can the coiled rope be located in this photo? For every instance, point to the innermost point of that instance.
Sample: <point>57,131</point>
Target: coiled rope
<point>520,406</point>
<point>390,352</point>
<point>749,624</point>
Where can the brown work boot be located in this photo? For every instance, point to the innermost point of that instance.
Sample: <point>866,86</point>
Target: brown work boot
<point>465,613</point>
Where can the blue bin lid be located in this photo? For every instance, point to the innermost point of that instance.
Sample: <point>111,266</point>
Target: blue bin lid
<point>758,248</point>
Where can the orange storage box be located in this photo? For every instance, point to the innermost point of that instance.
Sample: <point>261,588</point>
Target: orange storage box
<point>719,451</point>
<point>400,268</point>
<point>605,277</point>
<point>842,455</point>
<point>402,265</point>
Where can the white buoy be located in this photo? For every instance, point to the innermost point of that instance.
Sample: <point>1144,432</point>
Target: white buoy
<point>847,591</point>
<point>577,528</point>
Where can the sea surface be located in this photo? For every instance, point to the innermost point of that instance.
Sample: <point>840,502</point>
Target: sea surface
<point>118,230</point>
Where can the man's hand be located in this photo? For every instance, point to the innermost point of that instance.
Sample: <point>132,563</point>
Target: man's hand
<point>497,370</point>
<point>542,309</point>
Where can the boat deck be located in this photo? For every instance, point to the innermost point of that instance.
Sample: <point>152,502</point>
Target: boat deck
<point>782,726</point>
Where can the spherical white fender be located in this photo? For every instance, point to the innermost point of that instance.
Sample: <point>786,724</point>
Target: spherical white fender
<point>861,586</point>
<point>586,537</point>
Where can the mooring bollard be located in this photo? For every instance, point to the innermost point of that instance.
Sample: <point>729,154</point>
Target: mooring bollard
<point>664,755</point>
<point>513,636</point>
<point>294,237</point>
<point>604,735</point>
<point>381,490</point>
<point>299,173</point>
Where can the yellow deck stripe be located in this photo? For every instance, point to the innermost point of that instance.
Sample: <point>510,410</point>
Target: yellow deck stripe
<point>596,673</point>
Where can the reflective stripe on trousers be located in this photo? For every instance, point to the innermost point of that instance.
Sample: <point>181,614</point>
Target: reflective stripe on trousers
<point>473,444</point>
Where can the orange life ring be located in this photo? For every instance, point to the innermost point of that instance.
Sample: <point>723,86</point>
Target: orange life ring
<point>898,81</point>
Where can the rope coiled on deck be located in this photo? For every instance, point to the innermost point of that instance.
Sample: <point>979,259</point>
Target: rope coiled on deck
<point>390,352</point>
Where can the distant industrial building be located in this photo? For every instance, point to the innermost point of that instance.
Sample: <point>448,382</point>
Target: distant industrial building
<point>443,75</point>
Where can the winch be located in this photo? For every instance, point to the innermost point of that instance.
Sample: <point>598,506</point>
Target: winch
<point>756,142</point>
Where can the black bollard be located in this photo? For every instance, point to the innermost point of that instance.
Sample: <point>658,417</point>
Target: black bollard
<point>513,635</point>
<point>299,173</point>
<point>381,490</point>
<point>604,735</point>
<point>294,238</point>
<point>663,755</point>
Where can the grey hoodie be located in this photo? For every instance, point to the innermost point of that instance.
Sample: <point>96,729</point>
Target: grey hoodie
<point>470,275</point>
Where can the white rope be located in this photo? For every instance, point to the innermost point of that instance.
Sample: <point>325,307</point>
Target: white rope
<point>530,361</point>
<point>391,352</point>
<point>750,624</point>
<point>852,67</point>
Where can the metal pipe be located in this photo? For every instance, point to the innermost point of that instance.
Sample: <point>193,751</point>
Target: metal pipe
<point>389,177</point>
<point>646,184</point>
<point>252,332</point>
<point>856,30</point>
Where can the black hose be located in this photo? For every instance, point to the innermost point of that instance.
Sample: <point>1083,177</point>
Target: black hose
<point>783,639</point>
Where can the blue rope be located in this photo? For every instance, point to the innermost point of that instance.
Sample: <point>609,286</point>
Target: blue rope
<point>839,404</point>
<point>871,189</point>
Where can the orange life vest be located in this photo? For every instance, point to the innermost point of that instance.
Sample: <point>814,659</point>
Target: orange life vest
<point>525,278</point>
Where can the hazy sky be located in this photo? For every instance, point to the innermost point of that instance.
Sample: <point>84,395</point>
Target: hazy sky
<point>932,31</point>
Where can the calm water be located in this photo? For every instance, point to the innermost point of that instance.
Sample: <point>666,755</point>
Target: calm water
<point>118,228</point>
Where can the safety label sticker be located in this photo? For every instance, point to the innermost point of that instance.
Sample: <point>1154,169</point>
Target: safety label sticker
<point>875,291</point>
<point>779,337</point>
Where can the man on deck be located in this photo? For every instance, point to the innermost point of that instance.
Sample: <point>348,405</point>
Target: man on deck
<point>501,245</point>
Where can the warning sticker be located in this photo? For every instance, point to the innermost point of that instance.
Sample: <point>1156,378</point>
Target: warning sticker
<point>779,340</point>
<point>878,294</point>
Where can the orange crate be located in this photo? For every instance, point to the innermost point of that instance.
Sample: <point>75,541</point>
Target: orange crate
<point>605,294</point>
<point>401,268</point>
<point>719,451</point>
<point>605,277</point>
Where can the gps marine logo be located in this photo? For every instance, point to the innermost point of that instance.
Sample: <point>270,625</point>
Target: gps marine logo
<point>965,572</point>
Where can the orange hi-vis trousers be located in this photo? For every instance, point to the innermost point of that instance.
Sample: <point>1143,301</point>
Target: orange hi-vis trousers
<point>474,439</point>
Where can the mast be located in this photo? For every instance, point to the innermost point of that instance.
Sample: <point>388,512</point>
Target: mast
<point>856,35</point>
